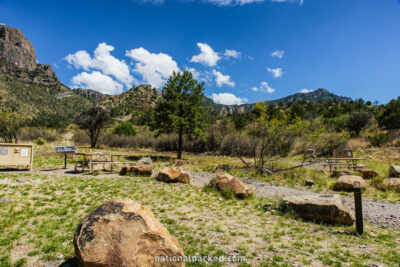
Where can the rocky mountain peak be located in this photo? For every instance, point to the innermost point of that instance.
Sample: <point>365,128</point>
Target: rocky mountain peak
<point>16,49</point>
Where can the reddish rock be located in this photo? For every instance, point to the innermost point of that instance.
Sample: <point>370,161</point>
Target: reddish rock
<point>173,175</point>
<point>124,233</point>
<point>143,170</point>
<point>224,181</point>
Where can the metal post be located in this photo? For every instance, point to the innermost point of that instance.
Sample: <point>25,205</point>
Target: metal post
<point>358,208</point>
<point>65,160</point>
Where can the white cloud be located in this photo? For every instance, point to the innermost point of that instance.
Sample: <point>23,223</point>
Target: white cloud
<point>232,53</point>
<point>277,72</point>
<point>201,76</point>
<point>103,61</point>
<point>222,2</point>
<point>278,54</point>
<point>264,87</point>
<point>222,79</point>
<point>207,56</point>
<point>228,99</point>
<point>154,68</point>
<point>304,91</point>
<point>97,81</point>
<point>289,1</point>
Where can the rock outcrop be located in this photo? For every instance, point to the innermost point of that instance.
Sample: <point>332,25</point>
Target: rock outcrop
<point>224,181</point>
<point>15,48</point>
<point>321,208</point>
<point>123,233</point>
<point>346,182</point>
<point>173,175</point>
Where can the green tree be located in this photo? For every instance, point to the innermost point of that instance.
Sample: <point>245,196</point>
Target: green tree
<point>181,111</point>
<point>273,137</point>
<point>10,124</point>
<point>357,121</point>
<point>92,121</point>
<point>390,117</point>
<point>125,128</point>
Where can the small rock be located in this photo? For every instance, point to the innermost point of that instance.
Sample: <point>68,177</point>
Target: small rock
<point>310,182</point>
<point>21,180</point>
<point>394,171</point>
<point>220,198</point>
<point>223,167</point>
<point>392,183</point>
<point>60,257</point>
<point>145,161</point>
<point>368,174</point>
<point>267,207</point>
<point>5,200</point>
<point>55,263</point>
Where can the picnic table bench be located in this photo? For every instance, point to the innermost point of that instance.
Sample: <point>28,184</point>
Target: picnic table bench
<point>89,160</point>
<point>334,163</point>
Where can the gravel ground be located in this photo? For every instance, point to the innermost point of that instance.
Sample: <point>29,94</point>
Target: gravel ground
<point>380,213</point>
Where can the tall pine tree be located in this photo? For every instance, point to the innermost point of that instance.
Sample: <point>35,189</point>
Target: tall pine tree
<point>181,111</point>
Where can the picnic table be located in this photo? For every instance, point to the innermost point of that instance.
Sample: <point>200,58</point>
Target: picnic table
<point>90,160</point>
<point>344,162</point>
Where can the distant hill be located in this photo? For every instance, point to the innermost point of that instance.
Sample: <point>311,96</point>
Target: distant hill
<point>319,95</point>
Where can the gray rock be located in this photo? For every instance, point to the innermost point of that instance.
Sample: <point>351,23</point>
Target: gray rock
<point>394,171</point>
<point>5,200</point>
<point>145,161</point>
<point>55,263</point>
<point>321,208</point>
<point>21,180</point>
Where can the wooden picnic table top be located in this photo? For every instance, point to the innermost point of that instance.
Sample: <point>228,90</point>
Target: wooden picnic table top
<point>344,159</point>
<point>98,154</point>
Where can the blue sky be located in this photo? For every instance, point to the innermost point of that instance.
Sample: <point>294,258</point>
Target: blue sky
<point>244,50</point>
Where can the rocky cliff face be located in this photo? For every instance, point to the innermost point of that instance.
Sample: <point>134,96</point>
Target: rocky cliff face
<point>15,48</point>
<point>18,59</point>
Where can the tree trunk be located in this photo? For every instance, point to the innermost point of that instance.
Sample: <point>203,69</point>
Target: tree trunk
<point>180,143</point>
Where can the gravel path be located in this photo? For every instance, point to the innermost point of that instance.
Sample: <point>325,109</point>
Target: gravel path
<point>380,213</point>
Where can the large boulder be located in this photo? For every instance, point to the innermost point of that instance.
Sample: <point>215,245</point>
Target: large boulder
<point>123,233</point>
<point>346,182</point>
<point>368,174</point>
<point>394,171</point>
<point>173,175</point>
<point>224,181</point>
<point>321,208</point>
<point>392,183</point>
<point>143,170</point>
